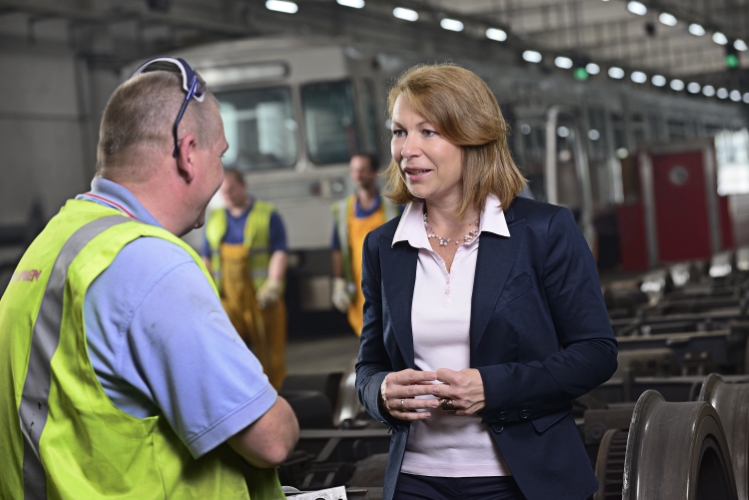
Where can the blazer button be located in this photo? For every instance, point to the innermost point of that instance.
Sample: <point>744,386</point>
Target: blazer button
<point>497,428</point>
<point>525,414</point>
<point>502,415</point>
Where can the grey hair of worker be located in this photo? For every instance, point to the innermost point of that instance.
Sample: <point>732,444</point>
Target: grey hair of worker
<point>136,128</point>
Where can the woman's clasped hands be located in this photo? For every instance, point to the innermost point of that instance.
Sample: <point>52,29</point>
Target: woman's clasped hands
<point>406,394</point>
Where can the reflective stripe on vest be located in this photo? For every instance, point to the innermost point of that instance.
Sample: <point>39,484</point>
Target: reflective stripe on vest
<point>45,338</point>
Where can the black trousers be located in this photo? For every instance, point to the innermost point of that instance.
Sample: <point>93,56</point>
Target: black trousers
<point>412,487</point>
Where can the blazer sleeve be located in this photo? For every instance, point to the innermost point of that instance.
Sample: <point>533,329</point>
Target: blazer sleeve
<point>582,327</point>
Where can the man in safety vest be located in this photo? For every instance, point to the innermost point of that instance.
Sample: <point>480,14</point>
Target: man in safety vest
<point>120,373</point>
<point>353,218</point>
<point>245,251</point>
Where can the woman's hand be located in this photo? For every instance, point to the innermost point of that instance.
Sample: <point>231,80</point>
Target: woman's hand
<point>465,388</point>
<point>398,390</point>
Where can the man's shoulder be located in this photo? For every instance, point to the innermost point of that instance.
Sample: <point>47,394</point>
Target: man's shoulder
<point>149,257</point>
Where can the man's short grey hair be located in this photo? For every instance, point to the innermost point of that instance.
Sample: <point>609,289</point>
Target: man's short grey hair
<point>139,117</point>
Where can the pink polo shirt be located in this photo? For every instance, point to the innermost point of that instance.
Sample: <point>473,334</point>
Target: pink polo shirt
<point>445,444</point>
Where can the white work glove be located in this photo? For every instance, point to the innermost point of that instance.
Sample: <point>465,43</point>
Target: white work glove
<point>268,294</point>
<point>340,297</point>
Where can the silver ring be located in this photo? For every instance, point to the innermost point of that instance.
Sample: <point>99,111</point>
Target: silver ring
<point>403,408</point>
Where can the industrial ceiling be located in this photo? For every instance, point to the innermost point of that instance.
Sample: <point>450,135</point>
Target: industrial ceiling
<point>650,42</point>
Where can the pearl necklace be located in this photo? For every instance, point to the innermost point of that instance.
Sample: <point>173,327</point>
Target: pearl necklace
<point>472,234</point>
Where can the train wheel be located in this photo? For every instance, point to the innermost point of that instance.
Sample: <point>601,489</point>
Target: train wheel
<point>731,401</point>
<point>676,451</point>
<point>610,465</point>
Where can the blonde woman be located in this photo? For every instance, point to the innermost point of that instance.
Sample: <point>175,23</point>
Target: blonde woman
<point>483,317</point>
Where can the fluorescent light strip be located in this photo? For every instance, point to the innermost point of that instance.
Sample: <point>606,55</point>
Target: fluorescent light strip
<point>563,62</point>
<point>405,14</point>
<point>667,19</point>
<point>451,24</point>
<point>637,8</point>
<point>496,34</point>
<point>658,80</point>
<point>532,56</point>
<point>356,4</point>
<point>616,73</point>
<point>639,77</point>
<point>282,6</point>
<point>720,38</point>
<point>696,30</point>
<point>592,68</point>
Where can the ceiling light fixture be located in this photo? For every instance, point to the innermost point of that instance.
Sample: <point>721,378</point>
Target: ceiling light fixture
<point>696,30</point>
<point>677,85</point>
<point>637,8</point>
<point>592,68</point>
<point>451,24</point>
<point>708,91</point>
<point>616,73</point>
<point>667,19</point>
<point>405,14</point>
<point>563,62</point>
<point>532,56</point>
<point>658,80</point>
<point>639,77</point>
<point>356,4</point>
<point>496,34</point>
<point>720,38</point>
<point>282,6</point>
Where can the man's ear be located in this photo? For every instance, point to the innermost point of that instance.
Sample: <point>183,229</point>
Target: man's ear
<point>186,158</point>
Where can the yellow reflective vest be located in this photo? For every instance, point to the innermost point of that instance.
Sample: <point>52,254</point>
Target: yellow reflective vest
<point>60,434</point>
<point>256,239</point>
<point>342,210</point>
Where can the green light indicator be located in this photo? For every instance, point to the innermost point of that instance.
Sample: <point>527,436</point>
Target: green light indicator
<point>581,74</point>
<point>732,61</point>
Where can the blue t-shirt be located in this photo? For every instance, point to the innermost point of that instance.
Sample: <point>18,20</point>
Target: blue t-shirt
<point>160,341</point>
<point>235,231</point>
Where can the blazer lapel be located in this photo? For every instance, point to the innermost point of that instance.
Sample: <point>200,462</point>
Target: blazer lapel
<point>493,264</point>
<point>398,279</point>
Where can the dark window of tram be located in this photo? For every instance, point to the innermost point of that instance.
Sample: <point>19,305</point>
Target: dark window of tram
<point>677,129</point>
<point>597,121</point>
<point>638,129</point>
<point>329,122</point>
<point>370,116</point>
<point>654,128</point>
<point>711,129</point>
<point>260,128</point>
<point>617,124</point>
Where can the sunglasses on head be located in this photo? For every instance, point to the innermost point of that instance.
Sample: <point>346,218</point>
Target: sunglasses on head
<point>192,84</point>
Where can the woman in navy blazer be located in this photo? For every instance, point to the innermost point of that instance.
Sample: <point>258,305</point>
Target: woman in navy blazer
<point>538,331</point>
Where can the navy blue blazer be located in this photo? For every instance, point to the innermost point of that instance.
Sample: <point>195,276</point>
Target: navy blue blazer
<point>540,337</point>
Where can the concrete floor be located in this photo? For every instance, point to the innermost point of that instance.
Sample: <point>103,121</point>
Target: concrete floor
<point>322,355</point>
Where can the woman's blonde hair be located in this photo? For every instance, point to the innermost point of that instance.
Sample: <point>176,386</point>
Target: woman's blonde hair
<point>464,111</point>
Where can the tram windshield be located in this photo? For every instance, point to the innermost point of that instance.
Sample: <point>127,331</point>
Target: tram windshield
<point>329,122</point>
<point>260,128</point>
